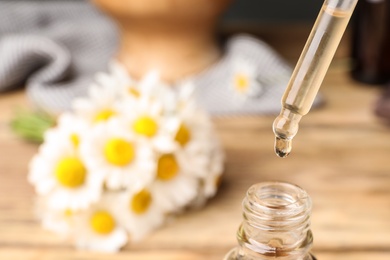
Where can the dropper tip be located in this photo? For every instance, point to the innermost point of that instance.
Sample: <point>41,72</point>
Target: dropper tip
<point>281,154</point>
<point>282,147</point>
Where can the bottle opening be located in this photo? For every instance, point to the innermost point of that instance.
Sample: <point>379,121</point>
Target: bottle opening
<point>279,196</point>
<point>277,219</point>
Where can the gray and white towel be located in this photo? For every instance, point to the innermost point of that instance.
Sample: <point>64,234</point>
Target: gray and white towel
<point>55,47</point>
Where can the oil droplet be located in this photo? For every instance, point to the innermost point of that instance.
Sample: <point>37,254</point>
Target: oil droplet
<point>282,147</point>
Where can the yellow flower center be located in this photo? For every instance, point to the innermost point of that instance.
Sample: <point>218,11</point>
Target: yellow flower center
<point>104,115</point>
<point>102,222</point>
<point>241,83</point>
<point>146,126</point>
<point>183,135</point>
<point>141,202</point>
<point>134,92</point>
<point>119,152</point>
<point>74,138</point>
<point>68,213</point>
<point>167,167</point>
<point>70,172</point>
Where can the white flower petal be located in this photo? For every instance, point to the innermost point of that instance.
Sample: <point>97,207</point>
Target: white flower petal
<point>165,144</point>
<point>172,195</point>
<point>108,244</point>
<point>149,82</point>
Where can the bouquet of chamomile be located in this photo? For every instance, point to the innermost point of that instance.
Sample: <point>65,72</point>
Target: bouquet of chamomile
<point>128,156</point>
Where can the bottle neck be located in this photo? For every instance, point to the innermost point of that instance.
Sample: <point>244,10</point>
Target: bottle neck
<point>276,223</point>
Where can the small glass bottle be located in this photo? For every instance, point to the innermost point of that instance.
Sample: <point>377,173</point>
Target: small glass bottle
<point>276,224</point>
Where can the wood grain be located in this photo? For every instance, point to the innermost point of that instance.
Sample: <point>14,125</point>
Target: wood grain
<point>340,156</point>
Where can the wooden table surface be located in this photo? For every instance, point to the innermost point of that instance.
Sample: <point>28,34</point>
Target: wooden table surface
<point>341,156</point>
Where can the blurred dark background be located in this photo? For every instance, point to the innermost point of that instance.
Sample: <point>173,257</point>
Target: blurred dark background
<point>276,21</point>
<point>272,11</point>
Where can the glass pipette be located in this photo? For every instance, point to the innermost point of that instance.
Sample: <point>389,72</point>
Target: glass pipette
<point>310,70</point>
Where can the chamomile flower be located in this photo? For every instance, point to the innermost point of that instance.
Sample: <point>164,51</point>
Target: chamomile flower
<point>143,89</point>
<point>180,98</point>
<point>69,128</point>
<point>140,212</point>
<point>128,87</point>
<point>244,82</point>
<point>101,104</point>
<point>57,221</point>
<point>147,87</point>
<point>98,228</point>
<point>58,171</point>
<point>193,133</point>
<point>114,151</point>
<point>147,120</point>
<point>135,152</point>
<point>174,188</point>
<point>198,148</point>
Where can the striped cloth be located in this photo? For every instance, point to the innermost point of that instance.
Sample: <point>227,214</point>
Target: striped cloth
<point>55,47</point>
<point>268,73</point>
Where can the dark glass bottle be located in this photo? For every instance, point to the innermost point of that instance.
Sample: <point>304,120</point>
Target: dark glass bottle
<point>276,224</point>
<point>371,41</point>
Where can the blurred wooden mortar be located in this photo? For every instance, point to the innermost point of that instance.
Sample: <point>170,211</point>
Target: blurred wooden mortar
<point>176,37</point>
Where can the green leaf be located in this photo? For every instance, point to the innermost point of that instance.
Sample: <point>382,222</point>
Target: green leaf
<point>31,125</point>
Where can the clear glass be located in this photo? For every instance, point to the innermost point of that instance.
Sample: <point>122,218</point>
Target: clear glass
<point>276,224</point>
<point>310,70</point>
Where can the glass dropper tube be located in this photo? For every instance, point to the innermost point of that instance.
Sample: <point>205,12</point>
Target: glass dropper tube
<point>310,70</point>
